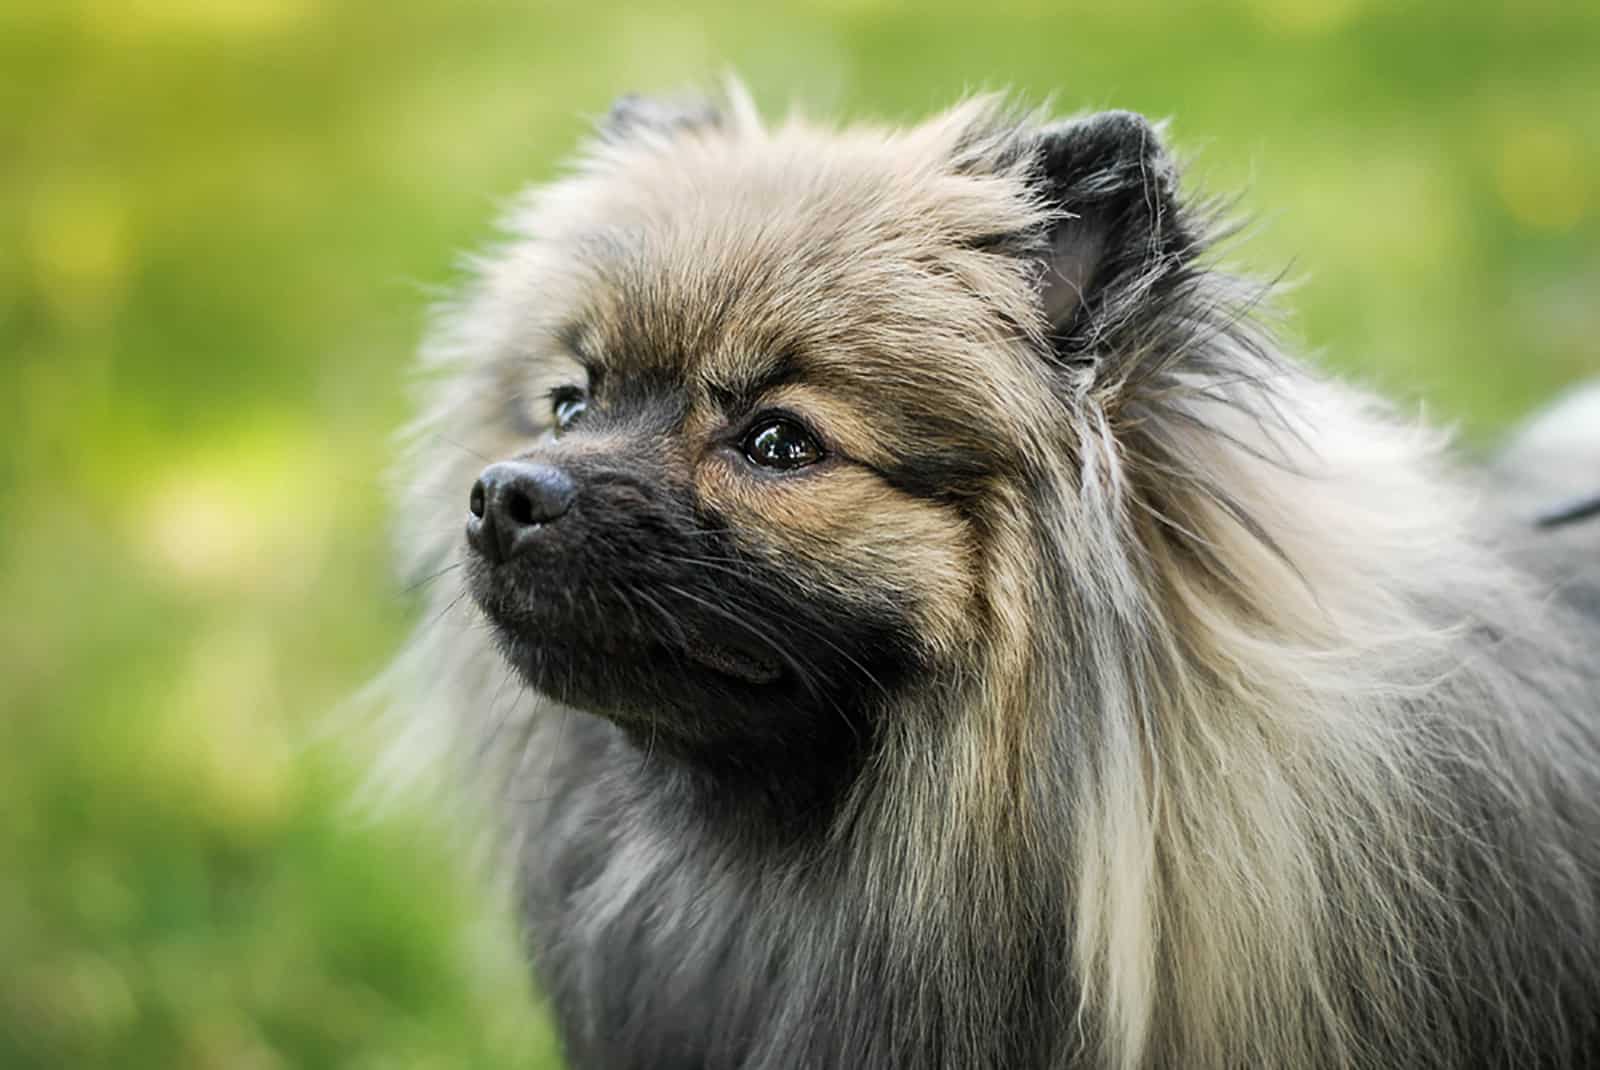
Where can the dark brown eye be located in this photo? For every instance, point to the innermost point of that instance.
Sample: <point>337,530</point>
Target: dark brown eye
<point>567,404</point>
<point>782,444</point>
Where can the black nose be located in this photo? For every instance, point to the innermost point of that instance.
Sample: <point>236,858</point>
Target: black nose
<point>511,501</point>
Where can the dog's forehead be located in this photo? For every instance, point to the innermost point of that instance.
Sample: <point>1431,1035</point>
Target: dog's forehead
<point>727,263</point>
<point>744,271</point>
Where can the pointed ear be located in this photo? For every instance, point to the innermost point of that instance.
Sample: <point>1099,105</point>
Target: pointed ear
<point>1119,234</point>
<point>633,115</point>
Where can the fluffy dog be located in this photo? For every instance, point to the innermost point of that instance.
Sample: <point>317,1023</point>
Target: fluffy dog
<point>917,616</point>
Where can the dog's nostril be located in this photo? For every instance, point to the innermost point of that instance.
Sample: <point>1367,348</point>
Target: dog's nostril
<point>520,509</point>
<point>475,502</point>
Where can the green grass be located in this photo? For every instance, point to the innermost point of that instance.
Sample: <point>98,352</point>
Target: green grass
<point>220,222</point>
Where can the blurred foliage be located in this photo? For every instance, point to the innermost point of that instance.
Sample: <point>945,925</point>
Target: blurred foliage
<point>220,222</point>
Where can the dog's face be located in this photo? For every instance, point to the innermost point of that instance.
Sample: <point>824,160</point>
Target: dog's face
<point>766,404</point>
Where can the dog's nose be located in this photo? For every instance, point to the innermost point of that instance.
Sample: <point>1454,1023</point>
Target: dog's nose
<point>510,501</point>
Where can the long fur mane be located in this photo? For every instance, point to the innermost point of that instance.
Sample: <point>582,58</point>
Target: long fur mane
<point>1333,737</point>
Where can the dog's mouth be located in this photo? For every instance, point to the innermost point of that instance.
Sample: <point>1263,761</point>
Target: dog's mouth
<point>733,661</point>
<point>618,637</point>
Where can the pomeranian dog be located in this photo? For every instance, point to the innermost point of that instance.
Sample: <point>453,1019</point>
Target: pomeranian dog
<point>911,613</point>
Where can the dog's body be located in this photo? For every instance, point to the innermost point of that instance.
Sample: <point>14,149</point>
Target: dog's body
<point>942,631</point>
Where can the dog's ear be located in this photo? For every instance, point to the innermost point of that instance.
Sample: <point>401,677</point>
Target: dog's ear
<point>633,115</point>
<point>1118,235</point>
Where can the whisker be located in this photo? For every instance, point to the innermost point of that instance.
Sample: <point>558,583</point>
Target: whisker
<point>720,565</point>
<point>464,448</point>
<point>493,735</point>
<point>441,614</point>
<point>424,581</point>
<point>802,673</point>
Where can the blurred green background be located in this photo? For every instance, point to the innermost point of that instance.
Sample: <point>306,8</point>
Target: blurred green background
<point>220,224</point>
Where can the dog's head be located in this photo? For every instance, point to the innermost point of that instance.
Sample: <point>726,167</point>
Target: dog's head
<point>766,408</point>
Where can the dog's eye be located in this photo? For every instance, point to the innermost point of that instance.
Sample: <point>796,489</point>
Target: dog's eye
<point>781,443</point>
<point>567,404</point>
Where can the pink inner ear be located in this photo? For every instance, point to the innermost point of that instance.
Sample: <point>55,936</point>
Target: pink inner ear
<point>1075,253</point>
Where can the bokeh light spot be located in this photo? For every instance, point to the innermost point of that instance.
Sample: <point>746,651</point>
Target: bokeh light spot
<point>79,241</point>
<point>1540,177</point>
